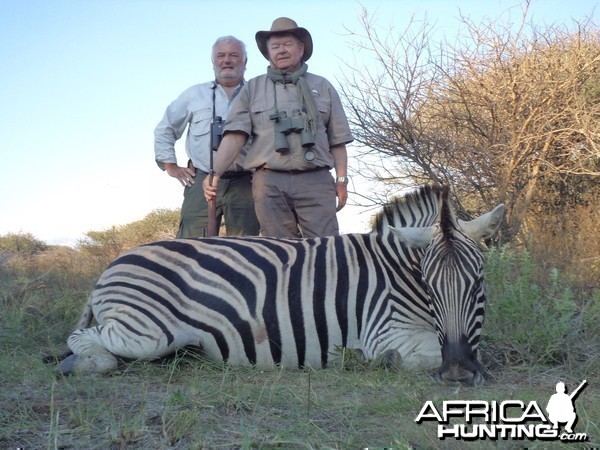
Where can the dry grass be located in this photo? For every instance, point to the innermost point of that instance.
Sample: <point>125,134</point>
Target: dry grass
<point>188,403</point>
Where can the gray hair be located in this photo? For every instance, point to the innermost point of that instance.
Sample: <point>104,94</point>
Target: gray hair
<point>229,39</point>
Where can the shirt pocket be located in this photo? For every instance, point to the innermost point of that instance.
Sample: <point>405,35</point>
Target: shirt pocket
<point>200,123</point>
<point>324,111</point>
<point>260,114</point>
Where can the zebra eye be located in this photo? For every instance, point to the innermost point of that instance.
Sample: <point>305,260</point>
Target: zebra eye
<point>478,287</point>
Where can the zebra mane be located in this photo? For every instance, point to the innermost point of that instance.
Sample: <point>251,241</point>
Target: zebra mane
<point>425,206</point>
<point>447,219</point>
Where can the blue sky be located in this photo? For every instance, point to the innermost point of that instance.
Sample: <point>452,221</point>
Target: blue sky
<point>84,83</point>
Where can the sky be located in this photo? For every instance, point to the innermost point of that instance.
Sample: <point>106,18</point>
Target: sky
<point>83,84</point>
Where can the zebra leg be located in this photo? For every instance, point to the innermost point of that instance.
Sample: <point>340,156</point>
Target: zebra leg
<point>389,359</point>
<point>89,355</point>
<point>98,363</point>
<point>85,319</point>
<point>54,359</point>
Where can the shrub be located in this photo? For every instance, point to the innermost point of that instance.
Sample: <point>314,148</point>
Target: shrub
<point>532,321</point>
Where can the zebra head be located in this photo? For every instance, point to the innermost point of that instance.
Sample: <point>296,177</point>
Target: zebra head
<point>452,276</point>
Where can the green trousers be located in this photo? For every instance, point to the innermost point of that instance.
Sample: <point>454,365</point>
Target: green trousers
<point>234,205</point>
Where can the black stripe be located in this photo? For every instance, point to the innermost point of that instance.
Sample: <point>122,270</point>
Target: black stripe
<point>363,277</point>
<point>273,272</point>
<point>379,279</point>
<point>128,326</point>
<point>217,334</point>
<point>397,266</point>
<point>148,314</point>
<point>321,278</point>
<point>295,304</point>
<point>212,262</point>
<point>342,289</point>
<point>198,296</point>
<point>410,295</point>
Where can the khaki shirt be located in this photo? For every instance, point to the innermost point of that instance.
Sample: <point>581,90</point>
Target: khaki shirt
<point>256,102</point>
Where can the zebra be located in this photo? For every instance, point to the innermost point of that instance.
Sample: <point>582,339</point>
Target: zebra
<point>410,292</point>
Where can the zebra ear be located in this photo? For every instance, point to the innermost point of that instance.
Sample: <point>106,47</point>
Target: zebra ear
<point>485,225</point>
<point>414,236</point>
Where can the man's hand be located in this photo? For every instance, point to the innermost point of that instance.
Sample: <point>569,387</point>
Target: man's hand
<point>340,164</point>
<point>210,190</point>
<point>341,190</point>
<point>185,175</point>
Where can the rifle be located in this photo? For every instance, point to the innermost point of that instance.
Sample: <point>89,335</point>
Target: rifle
<point>573,394</point>
<point>216,131</point>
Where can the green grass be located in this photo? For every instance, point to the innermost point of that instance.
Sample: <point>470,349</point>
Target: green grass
<point>536,333</point>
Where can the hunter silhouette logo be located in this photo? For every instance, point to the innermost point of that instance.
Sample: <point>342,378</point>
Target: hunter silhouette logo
<point>508,419</point>
<point>560,406</point>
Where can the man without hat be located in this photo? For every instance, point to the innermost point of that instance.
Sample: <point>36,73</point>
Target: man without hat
<point>199,109</point>
<point>299,133</point>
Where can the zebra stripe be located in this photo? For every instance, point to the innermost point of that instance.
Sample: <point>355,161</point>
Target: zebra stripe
<point>412,286</point>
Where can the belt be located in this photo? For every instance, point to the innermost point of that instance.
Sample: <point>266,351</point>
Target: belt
<point>232,175</point>
<point>295,171</point>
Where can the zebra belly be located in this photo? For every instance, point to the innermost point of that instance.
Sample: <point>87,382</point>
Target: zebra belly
<point>124,331</point>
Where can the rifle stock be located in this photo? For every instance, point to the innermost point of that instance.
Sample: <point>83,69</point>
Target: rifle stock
<point>211,229</point>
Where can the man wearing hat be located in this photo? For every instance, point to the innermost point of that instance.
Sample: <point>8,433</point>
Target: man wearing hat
<point>299,133</point>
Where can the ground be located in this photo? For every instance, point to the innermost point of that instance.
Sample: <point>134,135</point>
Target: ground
<point>187,403</point>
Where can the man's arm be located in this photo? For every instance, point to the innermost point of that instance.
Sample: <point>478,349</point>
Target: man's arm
<point>229,149</point>
<point>167,132</point>
<point>340,162</point>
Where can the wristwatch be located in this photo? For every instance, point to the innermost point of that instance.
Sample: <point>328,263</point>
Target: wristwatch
<point>342,180</point>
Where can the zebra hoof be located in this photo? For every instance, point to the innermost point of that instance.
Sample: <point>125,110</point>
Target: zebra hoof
<point>67,365</point>
<point>87,364</point>
<point>55,359</point>
<point>478,379</point>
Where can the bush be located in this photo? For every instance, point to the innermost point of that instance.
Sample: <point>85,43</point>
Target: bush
<point>531,321</point>
<point>21,243</point>
<point>41,295</point>
<point>568,241</point>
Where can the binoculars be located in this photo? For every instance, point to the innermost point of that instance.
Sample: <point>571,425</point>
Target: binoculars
<point>285,125</point>
<point>216,132</point>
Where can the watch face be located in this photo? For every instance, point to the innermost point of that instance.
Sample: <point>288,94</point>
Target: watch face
<point>309,155</point>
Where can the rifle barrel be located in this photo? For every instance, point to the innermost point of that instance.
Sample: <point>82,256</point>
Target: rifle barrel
<point>574,393</point>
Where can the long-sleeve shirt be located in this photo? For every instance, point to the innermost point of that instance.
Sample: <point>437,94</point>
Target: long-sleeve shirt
<point>193,109</point>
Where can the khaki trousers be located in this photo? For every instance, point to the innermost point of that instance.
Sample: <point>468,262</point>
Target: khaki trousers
<point>294,205</point>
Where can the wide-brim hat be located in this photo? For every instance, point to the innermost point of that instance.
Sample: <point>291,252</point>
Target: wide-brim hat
<point>283,25</point>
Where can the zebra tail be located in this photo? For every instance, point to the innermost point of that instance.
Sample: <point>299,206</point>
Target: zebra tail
<point>85,320</point>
